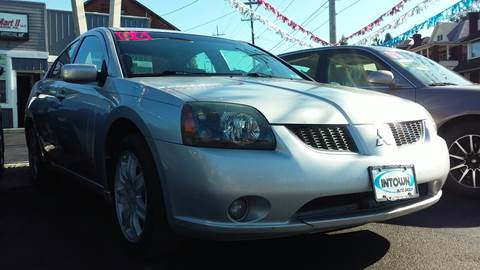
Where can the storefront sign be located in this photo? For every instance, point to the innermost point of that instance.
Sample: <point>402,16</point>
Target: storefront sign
<point>13,26</point>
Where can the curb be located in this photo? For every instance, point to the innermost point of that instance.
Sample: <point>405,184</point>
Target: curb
<point>13,130</point>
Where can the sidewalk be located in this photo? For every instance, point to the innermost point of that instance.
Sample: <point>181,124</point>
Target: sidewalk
<point>15,147</point>
<point>16,174</point>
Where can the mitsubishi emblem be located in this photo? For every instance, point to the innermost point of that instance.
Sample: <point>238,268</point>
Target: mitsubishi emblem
<point>384,136</point>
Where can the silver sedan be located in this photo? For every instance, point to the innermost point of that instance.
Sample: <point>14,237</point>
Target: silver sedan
<point>216,138</point>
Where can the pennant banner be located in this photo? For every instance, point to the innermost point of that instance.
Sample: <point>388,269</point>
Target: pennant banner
<point>250,13</point>
<point>369,27</point>
<point>291,23</point>
<point>398,22</point>
<point>456,11</point>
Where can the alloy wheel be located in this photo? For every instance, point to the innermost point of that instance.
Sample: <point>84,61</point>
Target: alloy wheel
<point>465,160</point>
<point>130,197</point>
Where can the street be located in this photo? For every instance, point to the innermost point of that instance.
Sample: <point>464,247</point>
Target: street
<point>61,225</point>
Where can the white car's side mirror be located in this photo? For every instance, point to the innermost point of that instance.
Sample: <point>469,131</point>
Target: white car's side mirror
<point>79,73</point>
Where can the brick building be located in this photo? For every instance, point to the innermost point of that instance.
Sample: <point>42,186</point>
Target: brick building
<point>455,45</point>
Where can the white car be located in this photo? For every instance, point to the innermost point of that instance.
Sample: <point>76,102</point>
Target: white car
<point>217,138</point>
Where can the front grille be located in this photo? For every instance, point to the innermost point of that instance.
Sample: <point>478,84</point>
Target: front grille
<point>352,204</point>
<point>407,132</point>
<point>325,137</point>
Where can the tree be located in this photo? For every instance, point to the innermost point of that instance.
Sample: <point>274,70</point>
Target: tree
<point>388,37</point>
<point>343,41</point>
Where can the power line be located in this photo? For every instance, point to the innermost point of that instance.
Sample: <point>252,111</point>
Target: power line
<point>289,4</point>
<point>326,21</point>
<point>208,22</point>
<point>276,19</point>
<point>322,24</point>
<point>349,6</point>
<point>312,16</point>
<point>295,31</point>
<point>178,9</point>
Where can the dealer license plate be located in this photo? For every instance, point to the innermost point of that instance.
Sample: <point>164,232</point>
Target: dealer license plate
<point>392,183</point>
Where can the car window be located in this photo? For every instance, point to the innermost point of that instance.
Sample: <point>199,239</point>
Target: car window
<point>238,61</point>
<point>351,69</point>
<point>200,62</point>
<point>306,63</point>
<point>166,54</point>
<point>426,70</point>
<point>91,52</point>
<point>65,58</point>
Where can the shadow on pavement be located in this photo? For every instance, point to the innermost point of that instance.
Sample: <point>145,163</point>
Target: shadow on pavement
<point>452,211</point>
<point>64,226</point>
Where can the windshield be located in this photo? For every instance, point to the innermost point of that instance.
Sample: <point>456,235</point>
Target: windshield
<point>424,69</point>
<point>172,54</point>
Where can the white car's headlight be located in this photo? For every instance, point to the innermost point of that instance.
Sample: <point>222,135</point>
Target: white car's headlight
<point>225,125</point>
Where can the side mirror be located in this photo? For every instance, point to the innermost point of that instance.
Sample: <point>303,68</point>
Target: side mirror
<point>384,77</point>
<point>79,73</point>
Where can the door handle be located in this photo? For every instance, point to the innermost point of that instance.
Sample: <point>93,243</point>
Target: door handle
<point>60,94</point>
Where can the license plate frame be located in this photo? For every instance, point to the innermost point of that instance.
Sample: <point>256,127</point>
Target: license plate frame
<point>385,194</point>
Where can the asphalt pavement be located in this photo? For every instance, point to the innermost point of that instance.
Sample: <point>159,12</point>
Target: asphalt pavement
<point>62,225</point>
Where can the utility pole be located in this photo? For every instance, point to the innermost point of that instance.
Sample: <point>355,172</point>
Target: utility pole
<point>218,33</point>
<point>115,13</point>
<point>333,21</point>
<point>250,3</point>
<point>79,21</point>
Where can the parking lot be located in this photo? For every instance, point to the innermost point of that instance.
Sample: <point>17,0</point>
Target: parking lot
<point>63,226</point>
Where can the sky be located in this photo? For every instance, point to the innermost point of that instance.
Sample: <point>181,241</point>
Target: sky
<point>351,16</point>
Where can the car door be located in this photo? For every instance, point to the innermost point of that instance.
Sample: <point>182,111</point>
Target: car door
<point>350,67</point>
<point>79,105</point>
<point>45,105</point>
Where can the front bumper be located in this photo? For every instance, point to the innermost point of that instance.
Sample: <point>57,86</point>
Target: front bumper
<point>200,184</point>
<point>232,231</point>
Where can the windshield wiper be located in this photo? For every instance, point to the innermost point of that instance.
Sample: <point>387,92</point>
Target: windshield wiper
<point>258,75</point>
<point>169,73</point>
<point>442,84</point>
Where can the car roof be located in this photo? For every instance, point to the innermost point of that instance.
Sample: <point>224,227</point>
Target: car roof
<point>176,32</point>
<point>343,47</point>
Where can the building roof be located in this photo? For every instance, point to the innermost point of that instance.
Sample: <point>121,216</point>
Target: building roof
<point>139,5</point>
<point>460,31</point>
<point>444,29</point>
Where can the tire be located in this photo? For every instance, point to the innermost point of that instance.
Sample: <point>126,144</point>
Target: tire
<point>39,169</point>
<point>2,150</point>
<point>152,234</point>
<point>464,176</point>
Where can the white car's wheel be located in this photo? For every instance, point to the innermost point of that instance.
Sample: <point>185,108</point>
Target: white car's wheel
<point>137,197</point>
<point>130,197</point>
<point>39,170</point>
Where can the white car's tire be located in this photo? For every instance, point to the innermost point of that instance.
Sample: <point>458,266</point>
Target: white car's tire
<point>39,169</point>
<point>137,199</point>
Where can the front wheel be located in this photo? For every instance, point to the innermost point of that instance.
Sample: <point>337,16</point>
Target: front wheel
<point>139,208</point>
<point>463,142</point>
<point>39,170</point>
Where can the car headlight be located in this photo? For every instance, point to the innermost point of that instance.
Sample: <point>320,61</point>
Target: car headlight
<point>225,125</point>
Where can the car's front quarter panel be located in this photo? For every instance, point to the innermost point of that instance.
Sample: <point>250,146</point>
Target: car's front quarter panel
<point>157,112</point>
<point>447,103</point>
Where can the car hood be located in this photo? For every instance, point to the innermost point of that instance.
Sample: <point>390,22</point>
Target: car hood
<point>285,101</point>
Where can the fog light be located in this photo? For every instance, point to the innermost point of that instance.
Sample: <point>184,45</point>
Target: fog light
<point>238,209</point>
